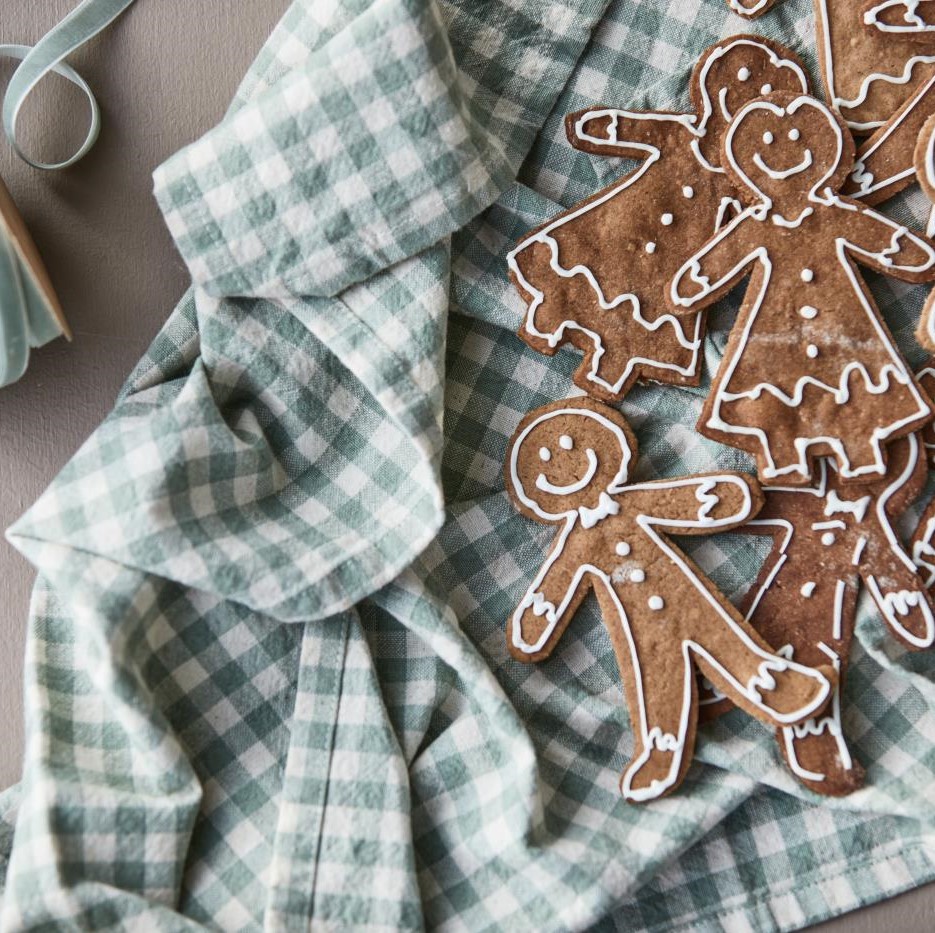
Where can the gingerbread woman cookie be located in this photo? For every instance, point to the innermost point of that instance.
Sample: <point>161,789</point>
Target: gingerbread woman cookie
<point>827,541</point>
<point>595,276</point>
<point>869,70</point>
<point>568,465</point>
<point>810,368</point>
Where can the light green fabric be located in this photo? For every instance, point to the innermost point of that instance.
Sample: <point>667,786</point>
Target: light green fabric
<point>267,676</point>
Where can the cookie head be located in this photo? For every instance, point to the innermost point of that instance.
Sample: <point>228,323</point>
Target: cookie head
<point>787,149</point>
<point>737,70</point>
<point>566,455</point>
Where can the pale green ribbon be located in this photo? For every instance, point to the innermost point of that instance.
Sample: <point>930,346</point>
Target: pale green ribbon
<point>26,317</point>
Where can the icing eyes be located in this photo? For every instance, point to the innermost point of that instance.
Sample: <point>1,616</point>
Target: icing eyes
<point>545,455</point>
<point>743,74</point>
<point>794,134</point>
<point>766,89</point>
<point>565,442</point>
<point>768,138</point>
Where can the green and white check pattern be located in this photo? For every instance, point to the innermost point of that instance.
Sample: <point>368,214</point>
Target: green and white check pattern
<point>267,681</point>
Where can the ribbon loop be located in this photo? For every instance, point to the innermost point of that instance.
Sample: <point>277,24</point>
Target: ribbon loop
<point>47,55</point>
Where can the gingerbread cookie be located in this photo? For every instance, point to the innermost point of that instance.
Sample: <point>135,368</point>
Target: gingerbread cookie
<point>827,541</point>
<point>868,71</point>
<point>568,465</point>
<point>885,162</point>
<point>595,276</point>
<point>810,368</point>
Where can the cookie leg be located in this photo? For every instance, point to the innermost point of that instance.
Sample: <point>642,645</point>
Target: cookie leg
<point>774,689</point>
<point>664,717</point>
<point>816,750</point>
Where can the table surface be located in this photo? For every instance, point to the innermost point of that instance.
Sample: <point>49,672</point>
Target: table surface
<point>163,74</point>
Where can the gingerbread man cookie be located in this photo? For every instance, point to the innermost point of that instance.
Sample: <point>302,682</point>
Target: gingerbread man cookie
<point>595,276</point>
<point>568,465</point>
<point>827,541</point>
<point>810,368</point>
<point>869,69</point>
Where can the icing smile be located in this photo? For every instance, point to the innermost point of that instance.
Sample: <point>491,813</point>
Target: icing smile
<point>760,163</point>
<point>543,484</point>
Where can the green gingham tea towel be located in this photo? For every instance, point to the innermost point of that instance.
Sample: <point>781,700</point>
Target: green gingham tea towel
<point>267,677</point>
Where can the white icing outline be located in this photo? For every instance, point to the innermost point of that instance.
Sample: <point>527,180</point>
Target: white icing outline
<point>864,92</point>
<point>915,25</point>
<point>696,126</point>
<point>895,370</point>
<point>747,9</point>
<point>783,174</point>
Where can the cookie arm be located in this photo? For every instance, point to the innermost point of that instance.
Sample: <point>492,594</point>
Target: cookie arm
<point>886,246</point>
<point>899,591</point>
<point>715,268</point>
<point>630,134</point>
<point>923,545</point>
<point>549,604</point>
<point>700,504</point>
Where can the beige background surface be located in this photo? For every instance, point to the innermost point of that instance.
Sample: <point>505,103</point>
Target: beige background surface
<point>163,74</point>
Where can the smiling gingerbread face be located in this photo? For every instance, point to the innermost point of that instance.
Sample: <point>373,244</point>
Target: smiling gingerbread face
<point>787,149</point>
<point>565,456</point>
<point>738,70</point>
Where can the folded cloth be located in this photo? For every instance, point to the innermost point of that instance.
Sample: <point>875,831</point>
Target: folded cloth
<point>267,681</point>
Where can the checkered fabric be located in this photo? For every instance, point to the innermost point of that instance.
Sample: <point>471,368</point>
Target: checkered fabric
<point>267,680</point>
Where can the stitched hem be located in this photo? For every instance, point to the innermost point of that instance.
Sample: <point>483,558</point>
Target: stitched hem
<point>897,868</point>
